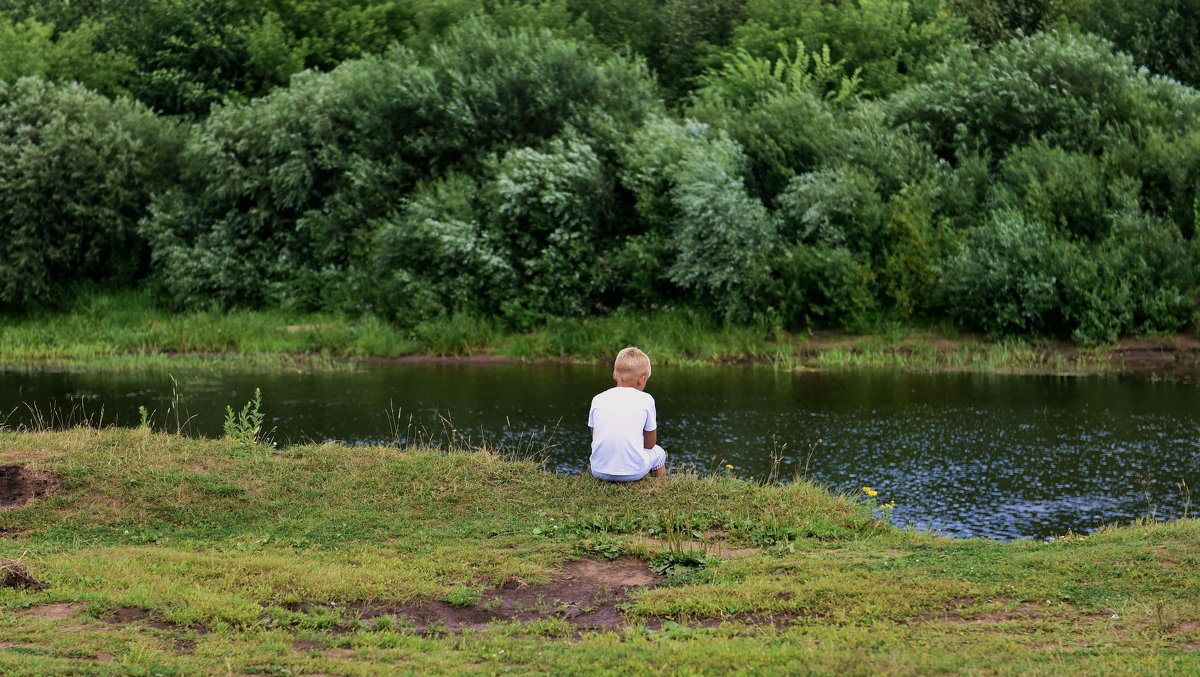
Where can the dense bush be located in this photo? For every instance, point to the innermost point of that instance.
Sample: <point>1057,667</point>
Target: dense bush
<point>76,174</point>
<point>1013,277</point>
<point>275,195</point>
<point>882,41</point>
<point>993,21</point>
<point>1069,90</point>
<point>1160,34</point>
<point>819,284</point>
<point>282,197</point>
<point>31,48</point>
<point>474,164</point>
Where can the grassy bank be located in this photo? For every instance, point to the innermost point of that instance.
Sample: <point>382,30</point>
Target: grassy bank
<point>165,555</point>
<point>127,330</point>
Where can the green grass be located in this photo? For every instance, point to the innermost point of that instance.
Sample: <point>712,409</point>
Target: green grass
<point>127,330</point>
<point>252,558</point>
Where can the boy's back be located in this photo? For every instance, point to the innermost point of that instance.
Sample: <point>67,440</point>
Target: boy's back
<point>624,424</point>
<point>618,418</point>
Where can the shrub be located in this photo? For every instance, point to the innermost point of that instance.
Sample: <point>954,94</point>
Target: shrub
<point>1013,276</point>
<point>1160,34</point>
<point>722,234</point>
<point>1049,185</point>
<point>31,48</point>
<point>1071,91</point>
<point>282,197</point>
<point>819,284</point>
<point>993,21</point>
<point>280,188</point>
<point>1006,278</point>
<point>838,207</point>
<point>76,174</point>
<point>433,258</point>
<point>882,41</point>
<point>548,212</point>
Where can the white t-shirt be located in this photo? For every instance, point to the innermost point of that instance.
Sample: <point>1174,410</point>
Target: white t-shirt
<point>618,417</point>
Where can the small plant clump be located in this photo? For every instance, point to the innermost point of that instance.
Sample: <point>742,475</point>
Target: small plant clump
<point>245,427</point>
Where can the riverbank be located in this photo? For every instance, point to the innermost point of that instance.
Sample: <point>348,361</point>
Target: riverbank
<point>147,553</point>
<point>126,330</point>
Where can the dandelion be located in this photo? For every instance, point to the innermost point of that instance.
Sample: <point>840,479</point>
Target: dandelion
<point>888,506</point>
<point>869,491</point>
<point>729,466</point>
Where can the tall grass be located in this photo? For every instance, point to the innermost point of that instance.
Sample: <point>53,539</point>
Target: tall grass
<point>128,329</point>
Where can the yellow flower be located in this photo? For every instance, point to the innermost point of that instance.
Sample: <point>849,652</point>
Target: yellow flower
<point>729,466</point>
<point>888,505</point>
<point>870,492</point>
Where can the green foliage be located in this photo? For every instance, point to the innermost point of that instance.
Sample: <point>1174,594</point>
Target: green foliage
<point>1160,34</point>
<point>466,167</point>
<point>463,596</point>
<point>881,41</point>
<point>434,257</point>
<point>274,192</point>
<point>1061,189</point>
<point>1013,276</point>
<point>820,285</point>
<point>993,21</point>
<point>1007,278</point>
<point>246,426</point>
<point>1071,91</point>
<point>76,174</point>
<point>293,199</point>
<point>723,233</point>
<point>32,48</point>
<point>549,209</point>
<point>835,206</point>
<point>691,31</point>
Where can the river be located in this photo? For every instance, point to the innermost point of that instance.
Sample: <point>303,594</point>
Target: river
<point>997,456</point>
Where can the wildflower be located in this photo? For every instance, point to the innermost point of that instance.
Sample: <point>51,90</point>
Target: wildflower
<point>729,466</point>
<point>889,505</point>
<point>869,491</point>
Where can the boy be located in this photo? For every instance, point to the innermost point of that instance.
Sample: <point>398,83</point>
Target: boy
<point>624,424</point>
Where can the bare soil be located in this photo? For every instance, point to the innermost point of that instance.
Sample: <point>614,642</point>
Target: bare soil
<point>586,595</point>
<point>20,486</point>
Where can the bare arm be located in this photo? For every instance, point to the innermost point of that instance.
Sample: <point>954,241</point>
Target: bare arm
<point>649,438</point>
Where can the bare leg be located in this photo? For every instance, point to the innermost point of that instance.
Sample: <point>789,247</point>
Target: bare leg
<point>659,472</point>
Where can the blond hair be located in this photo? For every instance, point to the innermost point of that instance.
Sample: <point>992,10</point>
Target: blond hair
<point>631,364</point>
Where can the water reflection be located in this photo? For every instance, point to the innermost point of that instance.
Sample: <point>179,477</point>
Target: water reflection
<point>964,454</point>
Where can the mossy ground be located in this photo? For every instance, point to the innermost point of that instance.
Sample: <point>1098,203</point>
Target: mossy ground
<point>168,555</point>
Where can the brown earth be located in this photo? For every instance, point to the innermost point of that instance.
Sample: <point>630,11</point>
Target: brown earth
<point>586,595</point>
<point>20,486</point>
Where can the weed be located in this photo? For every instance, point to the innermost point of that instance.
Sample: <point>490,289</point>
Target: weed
<point>246,427</point>
<point>144,418</point>
<point>603,547</point>
<point>463,596</point>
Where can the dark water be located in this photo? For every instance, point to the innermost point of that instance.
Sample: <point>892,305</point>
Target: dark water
<point>965,454</point>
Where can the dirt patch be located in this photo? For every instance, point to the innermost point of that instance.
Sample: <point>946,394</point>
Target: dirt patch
<point>129,614</point>
<point>586,595</point>
<point>56,612</point>
<point>954,613</point>
<point>1186,627</point>
<point>21,486</point>
<point>1141,353</point>
<point>14,574</point>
